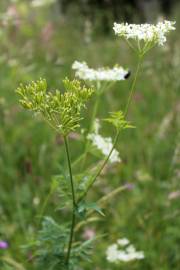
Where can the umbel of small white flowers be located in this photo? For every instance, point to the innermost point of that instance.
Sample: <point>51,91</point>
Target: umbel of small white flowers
<point>103,144</point>
<point>123,251</point>
<point>145,35</point>
<point>84,72</point>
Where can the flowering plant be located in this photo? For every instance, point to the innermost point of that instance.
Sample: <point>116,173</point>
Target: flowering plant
<point>57,246</point>
<point>145,35</point>
<point>123,251</point>
<point>101,74</point>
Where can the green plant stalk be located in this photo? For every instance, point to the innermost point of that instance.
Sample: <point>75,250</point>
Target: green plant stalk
<point>73,202</point>
<point>19,211</point>
<point>94,113</point>
<point>133,85</point>
<point>95,109</point>
<point>76,161</point>
<point>85,222</point>
<point>118,131</point>
<point>13,263</point>
<point>45,205</point>
<point>101,202</point>
<point>100,169</point>
<point>106,198</point>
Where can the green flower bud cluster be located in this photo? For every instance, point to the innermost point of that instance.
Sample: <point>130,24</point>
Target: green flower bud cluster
<point>62,111</point>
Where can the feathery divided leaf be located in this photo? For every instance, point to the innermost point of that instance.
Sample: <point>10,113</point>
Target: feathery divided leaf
<point>118,120</point>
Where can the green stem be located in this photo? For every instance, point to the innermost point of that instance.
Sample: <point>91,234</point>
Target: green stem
<point>133,86</point>
<point>19,211</point>
<point>94,113</point>
<point>101,167</point>
<point>118,131</point>
<point>83,157</point>
<point>76,161</point>
<point>96,105</point>
<point>12,263</point>
<point>146,49</point>
<point>130,45</point>
<point>73,202</point>
<point>44,206</point>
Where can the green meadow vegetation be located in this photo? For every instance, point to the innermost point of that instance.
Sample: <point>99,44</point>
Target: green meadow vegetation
<point>37,42</point>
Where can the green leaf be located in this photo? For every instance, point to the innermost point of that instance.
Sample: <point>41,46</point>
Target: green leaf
<point>82,252</point>
<point>83,207</point>
<point>54,184</point>
<point>62,185</point>
<point>117,119</point>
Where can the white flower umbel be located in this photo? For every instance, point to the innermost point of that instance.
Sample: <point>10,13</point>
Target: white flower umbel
<point>148,33</point>
<point>103,144</point>
<point>83,72</point>
<point>115,254</point>
<point>123,242</point>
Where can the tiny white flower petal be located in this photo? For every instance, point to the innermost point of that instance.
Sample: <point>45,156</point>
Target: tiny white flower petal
<point>104,144</point>
<point>112,253</point>
<point>115,255</point>
<point>123,241</point>
<point>96,126</point>
<point>82,71</point>
<point>146,32</point>
<point>130,249</point>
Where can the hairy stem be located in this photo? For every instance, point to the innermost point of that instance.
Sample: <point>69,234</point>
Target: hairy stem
<point>73,221</point>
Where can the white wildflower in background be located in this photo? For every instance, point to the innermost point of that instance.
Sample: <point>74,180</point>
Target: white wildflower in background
<point>145,32</point>
<point>82,71</point>
<point>116,254</point>
<point>41,3</point>
<point>96,126</point>
<point>123,242</point>
<point>36,201</point>
<point>104,144</point>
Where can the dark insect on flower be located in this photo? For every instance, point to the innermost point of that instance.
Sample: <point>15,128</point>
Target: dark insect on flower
<point>127,75</point>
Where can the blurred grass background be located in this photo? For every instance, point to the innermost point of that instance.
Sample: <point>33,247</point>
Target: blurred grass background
<point>39,41</point>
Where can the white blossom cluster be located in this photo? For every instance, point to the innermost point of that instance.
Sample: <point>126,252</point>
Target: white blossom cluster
<point>41,3</point>
<point>146,32</point>
<point>104,144</point>
<point>82,71</point>
<point>123,251</point>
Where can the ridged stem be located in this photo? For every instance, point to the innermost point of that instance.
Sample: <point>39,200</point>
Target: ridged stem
<point>73,221</point>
